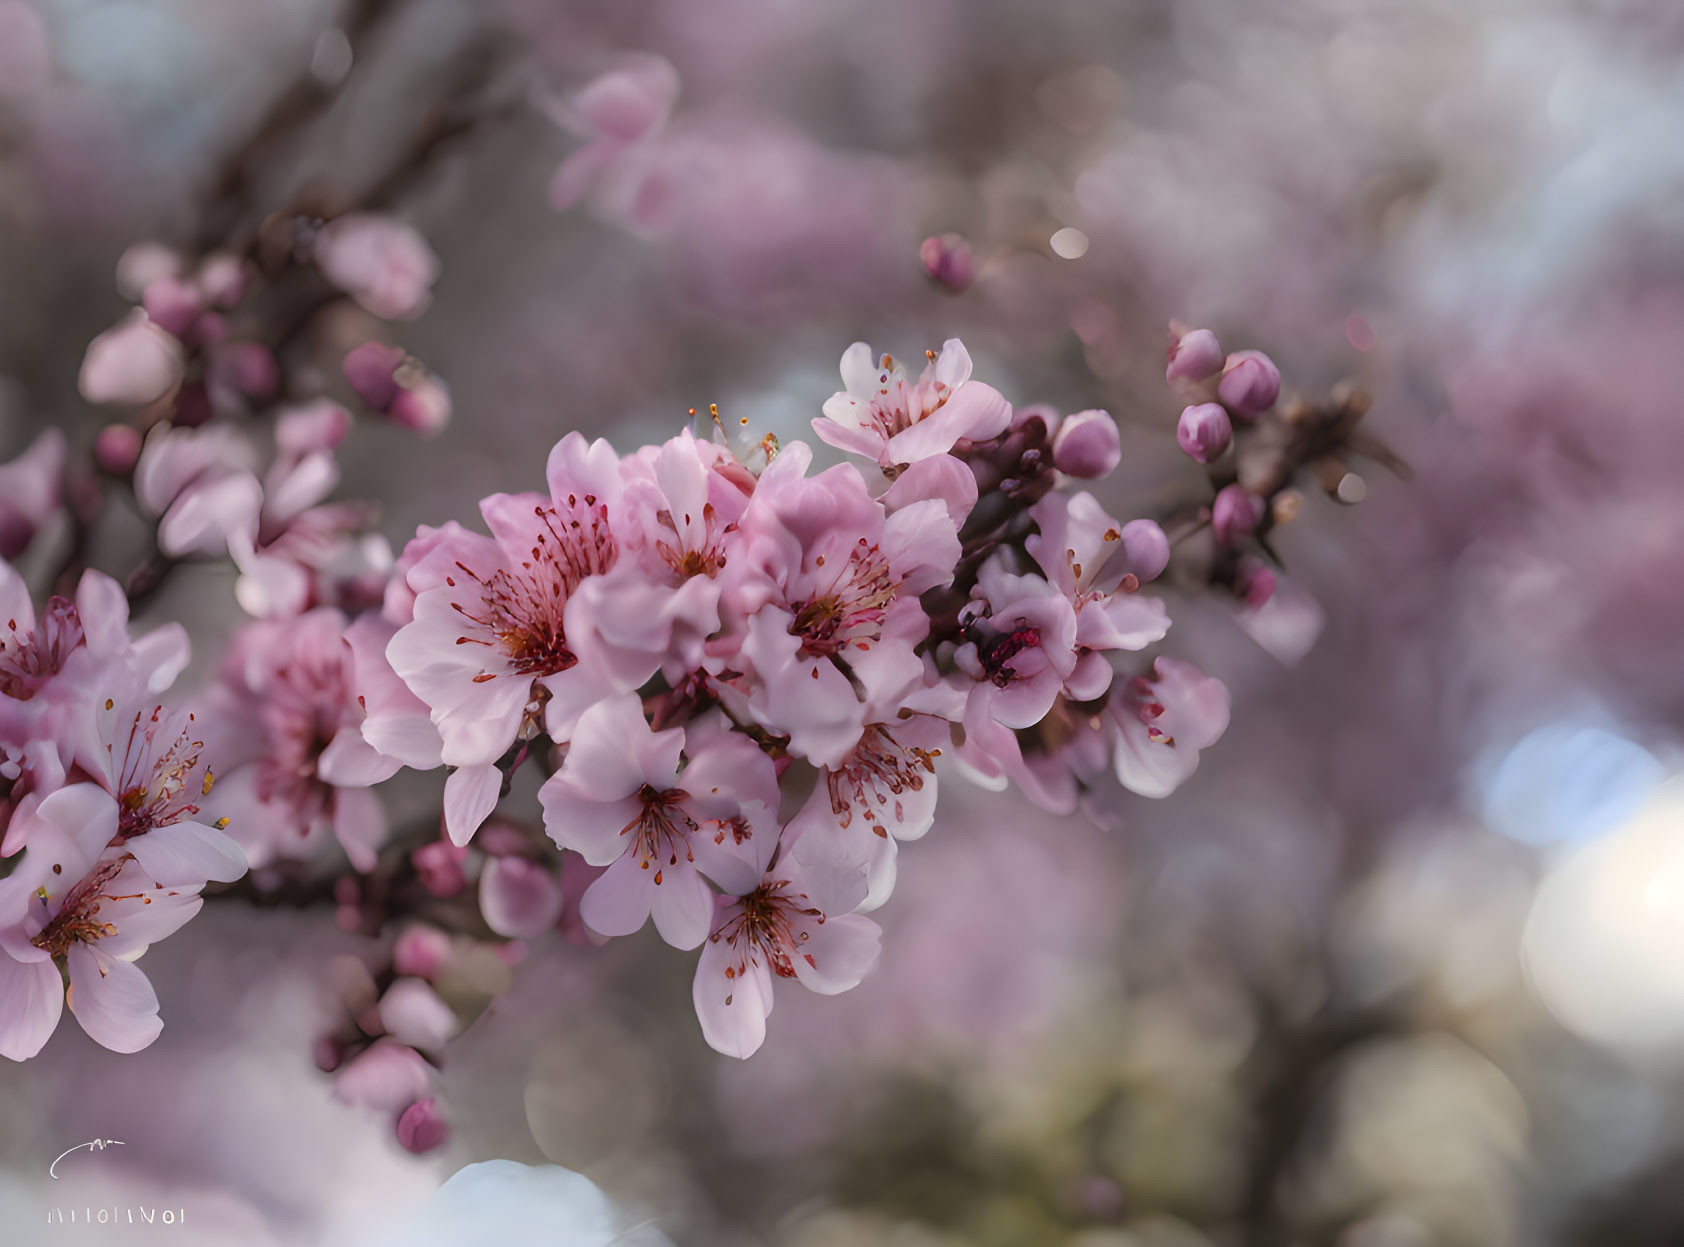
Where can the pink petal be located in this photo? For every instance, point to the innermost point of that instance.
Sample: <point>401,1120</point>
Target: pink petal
<point>591,828</point>
<point>113,1000</point>
<point>470,794</point>
<point>31,999</point>
<point>838,953</point>
<point>618,903</point>
<point>682,904</point>
<point>359,823</point>
<point>732,1010</point>
<point>349,761</point>
<point>520,899</point>
<point>187,854</point>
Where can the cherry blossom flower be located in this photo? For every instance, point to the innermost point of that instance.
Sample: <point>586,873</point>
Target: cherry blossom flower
<point>71,902</point>
<point>491,648</point>
<point>893,421</point>
<point>799,923</point>
<point>619,113</point>
<point>303,769</point>
<point>1164,721</point>
<point>826,593</point>
<point>664,811</point>
<point>1081,550</point>
<point>383,264</point>
<point>881,793</point>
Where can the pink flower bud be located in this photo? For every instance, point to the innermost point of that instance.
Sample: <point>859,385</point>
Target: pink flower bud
<point>627,103</point>
<point>143,264</point>
<point>412,1013</point>
<point>422,403</point>
<point>388,1075</point>
<point>222,280</point>
<point>172,304</point>
<point>422,1127</point>
<point>134,362</point>
<point>439,865</point>
<point>1254,582</point>
<point>1194,356</point>
<point>1145,548</point>
<point>247,367</point>
<point>1087,445</point>
<point>948,261</point>
<point>368,370</point>
<point>328,1053</point>
<point>1235,514</point>
<point>1250,384</point>
<point>382,263</point>
<point>320,425</point>
<point>420,952</point>
<point>1204,431</point>
<point>117,449</point>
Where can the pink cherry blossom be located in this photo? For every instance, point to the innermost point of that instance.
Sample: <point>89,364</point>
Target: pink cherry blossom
<point>797,923</point>
<point>1164,721</point>
<point>491,648</point>
<point>306,769</point>
<point>382,263</point>
<point>825,593</point>
<point>71,902</point>
<point>664,811</point>
<point>1080,550</point>
<point>618,112</point>
<point>893,421</point>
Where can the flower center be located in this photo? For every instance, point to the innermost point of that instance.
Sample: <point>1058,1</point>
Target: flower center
<point>763,932</point>
<point>702,559</point>
<point>77,921</point>
<point>29,659</point>
<point>662,828</point>
<point>158,760</point>
<point>851,610</point>
<point>995,652</point>
<point>876,775</point>
<point>520,608</point>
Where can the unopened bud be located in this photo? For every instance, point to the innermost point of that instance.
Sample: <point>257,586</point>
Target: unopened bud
<point>1087,445</point>
<point>420,952</point>
<point>1235,514</point>
<point>320,425</point>
<point>422,1127</point>
<point>369,368</point>
<point>422,403</point>
<point>1204,431</point>
<point>134,362</point>
<point>1254,582</point>
<point>117,449</point>
<point>1250,384</point>
<point>1194,356</point>
<point>948,262</point>
<point>222,280</point>
<point>248,367</point>
<point>173,305</point>
<point>1146,549</point>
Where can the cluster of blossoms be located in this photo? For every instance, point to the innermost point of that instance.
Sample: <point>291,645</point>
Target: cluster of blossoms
<point>106,850</point>
<point>747,675</point>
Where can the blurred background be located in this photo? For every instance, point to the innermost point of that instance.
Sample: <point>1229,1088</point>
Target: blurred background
<point>1402,965</point>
